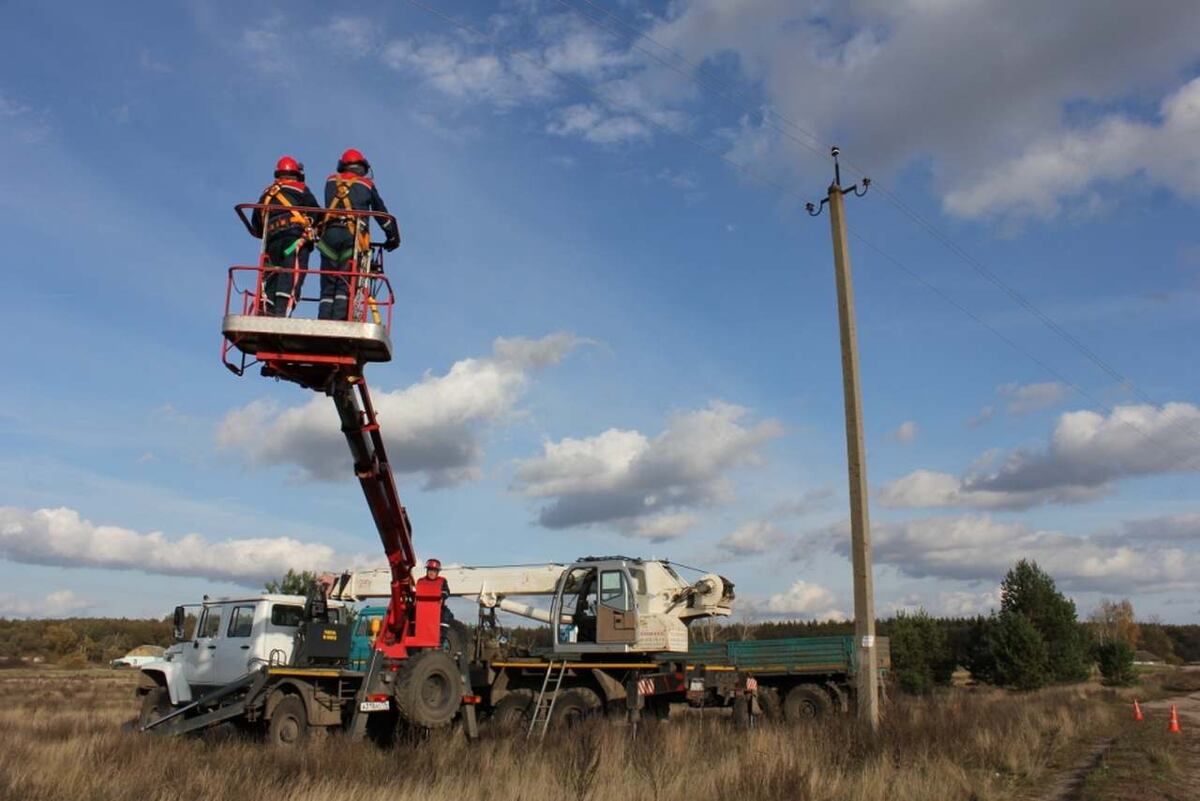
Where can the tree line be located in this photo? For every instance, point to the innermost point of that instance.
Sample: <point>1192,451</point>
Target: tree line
<point>1034,639</point>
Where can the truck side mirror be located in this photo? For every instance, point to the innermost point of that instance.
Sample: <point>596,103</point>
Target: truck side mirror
<point>180,622</point>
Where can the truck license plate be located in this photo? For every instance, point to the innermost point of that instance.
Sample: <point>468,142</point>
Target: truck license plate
<point>373,706</point>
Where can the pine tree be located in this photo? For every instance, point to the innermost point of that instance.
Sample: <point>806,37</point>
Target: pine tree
<point>1029,591</point>
<point>921,656</point>
<point>1018,652</point>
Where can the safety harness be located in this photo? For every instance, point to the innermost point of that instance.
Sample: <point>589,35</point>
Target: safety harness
<point>341,200</point>
<point>274,196</point>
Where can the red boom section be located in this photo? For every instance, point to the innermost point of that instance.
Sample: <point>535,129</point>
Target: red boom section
<point>361,429</point>
<point>328,356</point>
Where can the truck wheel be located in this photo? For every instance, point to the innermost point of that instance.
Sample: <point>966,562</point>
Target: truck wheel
<point>768,699</point>
<point>289,723</point>
<point>512,713</point>
<point>429,689</point>
<point>155,704</point>
<point>573,706</point>
<point>806,702</point>
<point>455,638</point>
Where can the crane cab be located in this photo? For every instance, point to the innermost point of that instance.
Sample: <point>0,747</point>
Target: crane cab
<point>617,605</point>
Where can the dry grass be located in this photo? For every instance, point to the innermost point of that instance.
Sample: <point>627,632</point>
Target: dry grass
<point>60,739</point>
<point>1145,761</point>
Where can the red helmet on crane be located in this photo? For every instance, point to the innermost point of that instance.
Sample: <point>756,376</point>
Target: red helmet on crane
<point>433,564</point>
<point>288,165</point>
<point>353,156</point>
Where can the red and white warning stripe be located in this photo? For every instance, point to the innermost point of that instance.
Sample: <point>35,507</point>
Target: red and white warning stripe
<point>751,685</point>
<point>645,686</point>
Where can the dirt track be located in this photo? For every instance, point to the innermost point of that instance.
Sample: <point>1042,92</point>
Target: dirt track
<point>1072,784</point>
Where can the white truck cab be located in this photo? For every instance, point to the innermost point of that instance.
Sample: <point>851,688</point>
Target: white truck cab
<point>231,637</point>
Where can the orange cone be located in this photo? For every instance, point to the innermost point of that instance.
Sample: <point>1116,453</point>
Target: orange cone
<point>1174,727</point>
<point>1137,711</point>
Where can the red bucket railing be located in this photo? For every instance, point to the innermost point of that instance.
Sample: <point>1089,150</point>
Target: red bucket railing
<point>369,293</point>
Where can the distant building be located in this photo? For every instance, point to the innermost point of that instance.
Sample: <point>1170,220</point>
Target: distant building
<point>1147,658</point>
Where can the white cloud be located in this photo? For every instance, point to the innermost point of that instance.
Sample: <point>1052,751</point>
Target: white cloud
<point>905,434</point>
<point>1086,454</point>
<point>578,48</point>
<point>596,124</point>
<point>61,537</point>
<point>928,489</point>
<point>434,427</point>
<point>459,71</point>
<point>875,76</point>
<point>803,599</point>
<point>752,538</point>
<point>355,36</point>
<point>1025,398</point>
<point>265,46</point>
<point>1064,164</point>
<point>951,603</point>
<point>985,415</point>
<point>1183,530</point>
<point>981,548</point>
<point>623,478</point>
<point>809,501</point>
<point>60,603</point>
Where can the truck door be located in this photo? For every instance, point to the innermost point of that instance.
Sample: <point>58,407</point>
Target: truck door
<point>200,658</point>
<point>235,649</point>
<point>616,616</point>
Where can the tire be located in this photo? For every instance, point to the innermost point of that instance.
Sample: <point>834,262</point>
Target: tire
<point>511,715</point>
<point>806,702</point>
<point>155,704</point>
<point>288,725</point>
<point>573,706</point>
<point>456,638</point>
<point>772,707</point>
<point>429,689</point>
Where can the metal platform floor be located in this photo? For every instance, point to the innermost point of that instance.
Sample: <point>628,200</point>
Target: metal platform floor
<point>253,334</point>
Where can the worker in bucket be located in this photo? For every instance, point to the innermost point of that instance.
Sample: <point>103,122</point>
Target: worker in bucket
<point>351,187</point>
<point>288,236</point>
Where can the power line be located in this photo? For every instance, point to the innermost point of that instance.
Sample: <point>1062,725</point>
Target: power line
<point>586,88</point>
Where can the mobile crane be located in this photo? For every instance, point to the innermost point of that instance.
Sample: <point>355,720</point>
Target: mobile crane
<point>408,666</point>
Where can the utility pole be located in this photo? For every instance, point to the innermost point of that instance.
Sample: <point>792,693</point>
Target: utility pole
<point>867,678</point>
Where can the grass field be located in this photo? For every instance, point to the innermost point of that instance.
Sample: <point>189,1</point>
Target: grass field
<point>60,738</point>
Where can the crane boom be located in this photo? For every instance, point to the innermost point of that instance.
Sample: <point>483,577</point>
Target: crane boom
<point>360,426</point>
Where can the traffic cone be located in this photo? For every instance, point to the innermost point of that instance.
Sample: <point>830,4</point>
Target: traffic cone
<point>1137,711</point>
<point>1174,727</point>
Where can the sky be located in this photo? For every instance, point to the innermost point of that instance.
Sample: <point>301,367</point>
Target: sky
<point>615,326</point>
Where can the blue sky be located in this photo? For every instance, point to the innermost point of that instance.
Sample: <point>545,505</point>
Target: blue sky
<point>609,338</point>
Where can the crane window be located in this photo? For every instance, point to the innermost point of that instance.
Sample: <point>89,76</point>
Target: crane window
<point>614,590</point>
<point>286,615</point>
<point>241,621</point>
<point>210,623</point>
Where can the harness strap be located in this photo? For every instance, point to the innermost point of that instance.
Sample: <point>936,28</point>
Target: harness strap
<point>275,196</point>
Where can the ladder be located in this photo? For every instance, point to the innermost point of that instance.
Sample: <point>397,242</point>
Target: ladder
<point>546,698</point>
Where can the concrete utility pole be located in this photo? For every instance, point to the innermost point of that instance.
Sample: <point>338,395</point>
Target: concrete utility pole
<point>867,679</point>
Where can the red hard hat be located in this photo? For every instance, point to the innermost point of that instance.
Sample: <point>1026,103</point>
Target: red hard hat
<point>433,564</point>
<point>288,164</point>
<point>353,156</point>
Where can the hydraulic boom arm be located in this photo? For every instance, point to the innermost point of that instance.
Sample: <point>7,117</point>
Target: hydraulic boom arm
<point>361,429</point>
